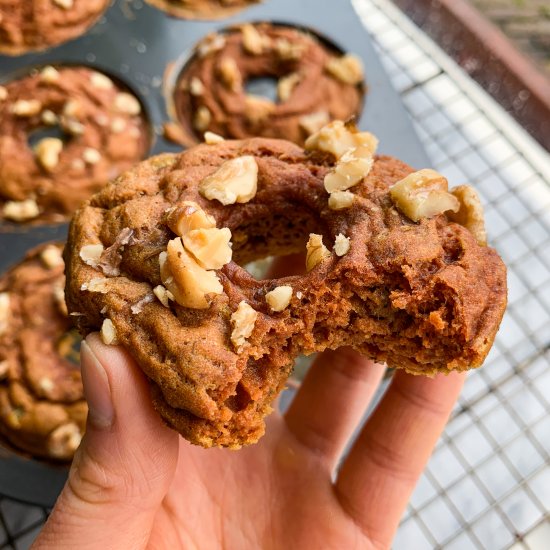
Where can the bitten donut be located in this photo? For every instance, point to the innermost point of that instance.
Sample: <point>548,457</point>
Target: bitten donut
<point>397,267</point>
<point>27,25</point>
<point>314,85</point>
<point>201,9</point>
<point>103,132</point>
<point>42,409</point>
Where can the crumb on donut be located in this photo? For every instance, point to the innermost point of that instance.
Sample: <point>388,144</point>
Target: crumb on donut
<point>243,320</point>
<point>341,245</point>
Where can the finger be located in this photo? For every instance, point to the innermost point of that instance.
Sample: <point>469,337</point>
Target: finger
<point>124,466</point>
<point>331,401</point>
<point>381,471</point>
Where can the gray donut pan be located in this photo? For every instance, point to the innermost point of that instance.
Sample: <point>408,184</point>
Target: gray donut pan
<point>136,43</point>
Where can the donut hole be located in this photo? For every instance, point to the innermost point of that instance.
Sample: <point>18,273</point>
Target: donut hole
<point>263,86</point>
<point>38,134</point>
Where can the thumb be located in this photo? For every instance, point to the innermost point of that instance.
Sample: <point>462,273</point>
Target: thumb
<point>124,466</point>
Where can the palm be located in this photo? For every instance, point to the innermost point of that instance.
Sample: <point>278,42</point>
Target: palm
<point>276,493</point>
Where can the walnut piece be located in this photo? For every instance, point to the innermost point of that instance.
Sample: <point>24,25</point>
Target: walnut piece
<point>91,155</point>
<point>101,81</point>
<point>243,320</point>
<point>127,104</point>
<point>423,194</point>
<point>26,107</point>
<point>90,254</point>
<point>210,138</point>
<point>287,50</point>
<point>4,311</point>
<point>257,108</point>
<point>347,69</point>
<point>4,368</point>
<point>236,180</point>
<point>3,93</point>
<point>286,85</point>
<point>163,295</point>
<point>51,257</point>
<point>341,244</point>
<point>210,44</point>
<point>187,216</point>
<point>58,291</point>
<point>279,298</point>
<point>49,74</point>
<point>49,117</point>
<point>65,4</point>
<point>349,171</point>
<point>98,284</point>
<point>196,87</point>
<point>21,211</point>
<point>189,283</point>
<point>253,42</point>
<point>230,74</point>
<point>108,333</point>
<point>470,213</point>
<point>118,125</point>
<point>47,152</point>
<point>202,118</point>
<point>314,122</point>
<point>65,439</point>
<point>340,200</point>
<point>210,247</point>
<point>316,251</point>
<point>337,138</point>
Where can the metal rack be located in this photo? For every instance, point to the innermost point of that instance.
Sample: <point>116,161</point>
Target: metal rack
<point>488,482</point>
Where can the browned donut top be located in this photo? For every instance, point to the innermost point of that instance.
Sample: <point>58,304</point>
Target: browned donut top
<point>37,24</point>
<point>422,296</point>
<point>103,132</point>
<point>42,409</point>
<point>315,85</point>
<point>201,9</point>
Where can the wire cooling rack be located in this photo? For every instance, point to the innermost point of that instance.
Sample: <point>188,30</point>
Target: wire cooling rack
<point>487,485</point>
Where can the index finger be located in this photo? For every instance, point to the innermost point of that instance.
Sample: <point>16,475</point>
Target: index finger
<point>383,466</point>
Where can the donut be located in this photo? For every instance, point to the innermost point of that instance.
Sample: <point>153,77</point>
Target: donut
<point>315,84</point>
<point>397,268</point>
<point>27,25</point>
<point>101,131</point>
<point>201,9</point>
<point>42,408</point>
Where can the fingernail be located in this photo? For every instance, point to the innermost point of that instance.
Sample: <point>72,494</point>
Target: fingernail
<point>96,389</point>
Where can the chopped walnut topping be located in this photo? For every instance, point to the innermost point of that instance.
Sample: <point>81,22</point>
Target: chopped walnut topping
<point>210,138</point>
<point>49,74</point>
<point>349,171</point>
<point>90,254</point>
<point>26,107</point>
<point>91,155</point>
<point>340,200</point>
<point>127,104</point>
<point>65,4</point>
<point>3,93</point>
<point>210,44</point>
<point>253,42</point>
<point>210,247</point>
<point>64,440</point>
<point>196,87</point>
<point>287,50</point>
<point>188,216</point>
<point>286,85</point>
<point>163,295</point>
<point>21,211</point>
<point>4,311</point>
<point>236,180</point>
<point>341,245</point>
<point>202,118</point>
<point>73,127</point>
<point>72,109</point>
<point>470,213</point>
<point>51,257</point>
<point>49,117</point>
<point>4,368</point>
<point>98,284</point>
<point>423,194</point>
<point>59,297</point>
<point>108,333</point>
<point>189,283</point>
<point>316,251</point>
<point>47,152</point>
<point>257,108</point>
<point>78,164</point>
<point>279,298</point>
<point>118,125</point>
<point>314,122</point>
<point>101,81</point>
<point>338,138</point>
<point>242,321</point>
<point>347,69</point>
<point>230,74</point>
<point>46,385</point>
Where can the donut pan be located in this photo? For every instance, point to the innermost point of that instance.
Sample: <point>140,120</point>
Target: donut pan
<point>144,48</point>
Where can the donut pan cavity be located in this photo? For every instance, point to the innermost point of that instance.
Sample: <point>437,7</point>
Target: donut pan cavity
<point>142,47</point>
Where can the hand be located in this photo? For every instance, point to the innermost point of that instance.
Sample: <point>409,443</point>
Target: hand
<point>135,483</point>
